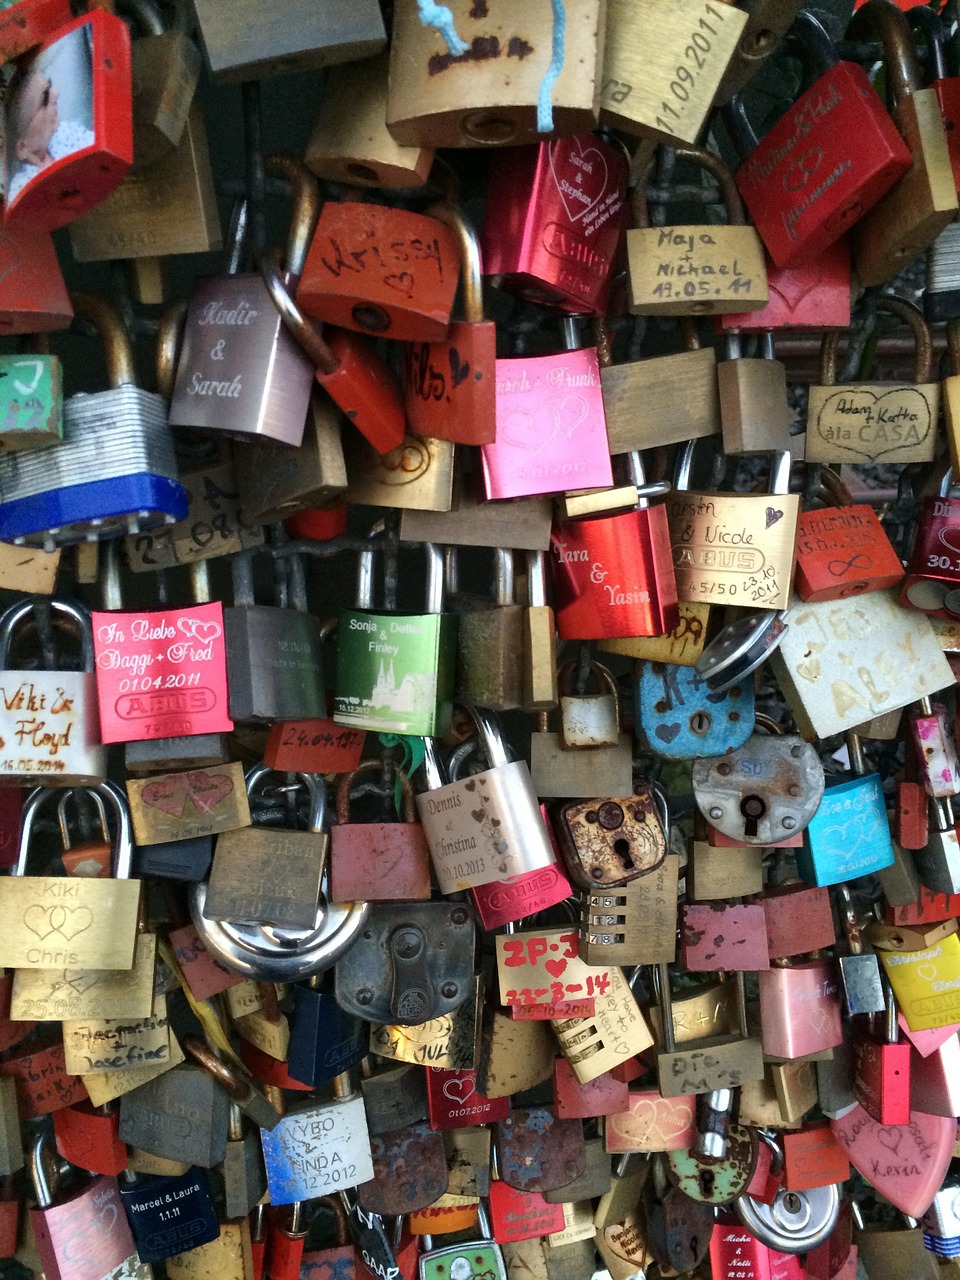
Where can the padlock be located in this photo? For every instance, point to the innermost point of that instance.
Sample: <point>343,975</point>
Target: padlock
<point>488,641</point>
<point>414,962</point>
<point>167,208</point>
<point>168,1214</point>
<point>845,424</point>
<point>612,575</point>
<point>678,1227</point>
<point>80,1234</point>
<point>812,143</point>
<point>450,385</point>
<point>335,1130</point>
<point>683,386</point>
<point>381,861</point>
<point>453,1101</point>
<point>467,1260</point>
<point>609,842</point>
<point>941,68</point>
<point>938,862</point>
<point>120,436</point>
<point>714,1062</point>
<point>724,545</point>
<point>551,433</point>
<point>614,1033</point>
<point>240,371</point>
<point>415,476</point>
<point>247,45</point>
<point>539,640</point>
<point>837,845</point>
<point>451,1041</point>
<point>350,271</point>
<point>86,1136</point>
<point>538,1152</point>
<point>710,1181</point>
<point>931,580</point>
<point>636,923</point>
<point>54,712</point>
<point>31,397</point>
<point>33,294</point>
<point>555,214</point>
<point>521,1215</point>
<point>439,96</point>
<point>799,1008</point>
<point>395,671</point>
<point>273,654</point>
<point>665,92</point>
<point>340,1260</point>
<point>409,1170</point>
<point>882,1069</point>
<point>912,214</point>
<point>175,807</point>
<point>794,1221</point>
<point>723,935</point>
<point>767,790</point>
<point>842,549</point>
<point>26,25</point>
<point>735,1251</point>
<point>348,367</point>
<point>941,1222</point>
<point>889,1251</point>
<point>909,1176</point>
<point>734,872</point>
<point>48,920</point>
<point>819,636</point>
<point>244,1177</point>
<point>797,918</point>
<point>181,1114</point>
<point>60,168</point>
<point>497,812</point>
<point>754,411</point>
<point>678,716</point>
<point>860,970</point>
<point>698,269</point>
<point>935,746</point>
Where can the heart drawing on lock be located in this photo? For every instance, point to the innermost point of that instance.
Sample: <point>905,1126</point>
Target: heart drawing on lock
<point>927,972</point>
<point>195,629</point>
<point>853,410</point>
<point>206,790</point>
<point>582,176</point>
<point>555,967</point>
<point>534,430</point>
<point>773,515</point>
<point>459,1089</point>
<point>170,794</point>
<point>653,1120</point>
<point>67,921</point>
<point>850,835</point>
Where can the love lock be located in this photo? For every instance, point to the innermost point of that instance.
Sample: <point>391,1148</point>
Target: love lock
<point>795,1221</point>
<point>268,952</point>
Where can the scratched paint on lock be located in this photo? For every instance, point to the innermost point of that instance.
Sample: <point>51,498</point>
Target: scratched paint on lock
<point>31,400</point>
<point>849,835</point>
<point>321,1149</point>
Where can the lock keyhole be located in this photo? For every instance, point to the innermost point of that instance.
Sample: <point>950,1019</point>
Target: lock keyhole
<point>753,808</point>
<point>707,1181</point>
<point>621,848</point>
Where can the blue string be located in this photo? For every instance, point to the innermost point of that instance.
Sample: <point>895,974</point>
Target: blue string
<point>544,104</point>
<point>440,17</point>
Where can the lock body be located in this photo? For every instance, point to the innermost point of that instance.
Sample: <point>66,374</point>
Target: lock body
<point>932,581</point>
<point>849,834</point>
<point>159,1234</point>
<point>31,401</point>
<point>843,551</point>
<point>273,663</point>
<point>800,1009</point>
<point>677,715</point>
<point>766,791</point>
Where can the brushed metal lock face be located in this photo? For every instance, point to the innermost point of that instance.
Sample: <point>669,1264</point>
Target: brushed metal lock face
<point>765,792</point>
<point>411,963</point>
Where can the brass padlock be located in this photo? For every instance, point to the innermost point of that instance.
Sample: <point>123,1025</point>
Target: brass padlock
<point>611,842</point>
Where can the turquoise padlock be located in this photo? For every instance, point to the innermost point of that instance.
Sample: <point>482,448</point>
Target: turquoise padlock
<point>849,835</point>
<point>678,715</point>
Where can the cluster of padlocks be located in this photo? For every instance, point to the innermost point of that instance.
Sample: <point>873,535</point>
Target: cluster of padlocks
<point>559,879</point>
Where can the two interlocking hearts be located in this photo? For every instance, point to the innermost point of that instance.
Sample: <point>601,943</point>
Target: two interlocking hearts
<point>170,794</point>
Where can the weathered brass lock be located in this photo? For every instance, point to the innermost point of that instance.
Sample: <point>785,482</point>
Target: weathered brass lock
<point>611,841</point>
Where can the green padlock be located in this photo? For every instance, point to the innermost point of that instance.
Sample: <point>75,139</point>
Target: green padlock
<point>31,398</point>
<point>395,672</point>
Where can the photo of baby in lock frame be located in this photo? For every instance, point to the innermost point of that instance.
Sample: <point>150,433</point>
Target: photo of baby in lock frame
<point>49,110</point>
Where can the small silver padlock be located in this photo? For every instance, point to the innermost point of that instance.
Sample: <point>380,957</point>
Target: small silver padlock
<point>588,719</point>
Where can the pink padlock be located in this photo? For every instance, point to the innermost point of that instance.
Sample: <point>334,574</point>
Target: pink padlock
<point>800,1009</point>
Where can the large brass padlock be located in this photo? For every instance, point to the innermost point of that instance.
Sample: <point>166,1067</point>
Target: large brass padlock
<point>481,84</point>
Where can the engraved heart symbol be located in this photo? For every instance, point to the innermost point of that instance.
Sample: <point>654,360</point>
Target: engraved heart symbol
<point>401,281</point>
<point>890,1136</point>
<point>792,285</point>
<point>80,980</point>
<point>809,670</point>
<point>555,967</point>
<point>37,920</point>
<point>207,790</point>
<point>773,515</point>
<point>927,971</point>
<point>169,795</point>
<point>580,173</point>
<point>195,629</point>
<point>877,426</point>
<point>67,921</point>
<point>850,835</point>
<point>657,1120</point>
<point>471,785</point>
<point>459,1089</point>
<point>667,732</point>
<point>459,369</point>
<point>478,815</point>
<point>949,536</point>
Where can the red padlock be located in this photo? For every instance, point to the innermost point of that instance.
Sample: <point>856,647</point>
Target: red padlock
<point>338,1263</point>
<point>59,168</point>
<point>827,161</point>
<point>33,294</point>
<point>454,1103</point>
<point>555,213</point>
<point>89,1137</point>
<point>605,1096</point>
<point>881,1069</point>
<point>947,87</point>
<point>377,861</point>
<point>43,1084</point>
<point>932,582</point>
<point>25,24</point>
<point>842,549</point>
<point>285,1237</point>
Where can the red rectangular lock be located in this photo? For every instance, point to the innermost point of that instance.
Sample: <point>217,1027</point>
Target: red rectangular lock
<point>454,1103</point>
<point>811,295</point>
<point>555,213</point>
<point>613,576</point>
<point>313,746</point>
<point>378,861</point>
<point>522,1215</point>
<point>828,160</point>
<point>43,1084</point>
<point>933,574</point>
<point>812,1157</point>
<point>25,24</point>
<point>516,897</point>
<point>799,918</point>
<point>931,909</point>
<point>843,551</point>
<point>913,823</point>
<point>881,1079</point>
<point>723,936</point>
<point>604,1096</point>
<point>58,168</point>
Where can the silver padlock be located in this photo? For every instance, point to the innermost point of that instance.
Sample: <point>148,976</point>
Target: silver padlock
<point>795,1221</point>
<point>764,792</point>
<point>588,719</point>
<point>938,863</point>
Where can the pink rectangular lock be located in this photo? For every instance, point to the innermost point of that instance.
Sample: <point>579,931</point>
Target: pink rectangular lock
<point>726,935</point>
<point>652,1123</point>
<point>551,429</point>
<point>935,1080</point>
<point>799,1009</point>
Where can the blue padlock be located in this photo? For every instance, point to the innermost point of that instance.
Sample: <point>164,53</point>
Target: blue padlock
<point>168,1215</point>
<point>849,835</point>
<point>325,1040</point>
<point>678,716</point>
